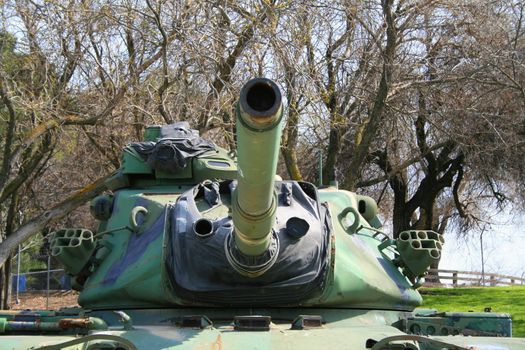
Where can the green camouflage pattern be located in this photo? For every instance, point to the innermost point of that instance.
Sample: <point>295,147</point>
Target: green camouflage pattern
<point>454,323</point>
<point>368,300</point>
<point>166,329</point>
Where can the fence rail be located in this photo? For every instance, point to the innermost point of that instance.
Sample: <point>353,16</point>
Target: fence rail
<point>457,278</point>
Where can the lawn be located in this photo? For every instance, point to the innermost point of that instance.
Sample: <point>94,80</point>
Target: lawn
<point>501,299</point>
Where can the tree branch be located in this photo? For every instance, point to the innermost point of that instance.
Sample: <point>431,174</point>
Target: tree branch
<point>399,168</point>
<point>376,113</point>
<point>26,169</point>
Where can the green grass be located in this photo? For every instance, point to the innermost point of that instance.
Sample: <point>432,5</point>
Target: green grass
<point>501,299</point>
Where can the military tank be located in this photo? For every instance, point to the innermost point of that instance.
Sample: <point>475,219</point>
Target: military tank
<point>198,248</point>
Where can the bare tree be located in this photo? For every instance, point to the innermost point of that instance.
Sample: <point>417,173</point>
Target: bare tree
<point>418,103</point>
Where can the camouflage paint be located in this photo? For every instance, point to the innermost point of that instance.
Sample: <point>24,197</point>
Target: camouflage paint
<point>367,301</point>
<point>343,328</point>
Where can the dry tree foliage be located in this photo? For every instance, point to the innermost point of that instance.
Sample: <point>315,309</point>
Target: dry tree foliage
<point>418,103</point>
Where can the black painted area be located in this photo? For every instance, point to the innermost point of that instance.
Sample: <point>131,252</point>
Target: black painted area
<point>200,271</point>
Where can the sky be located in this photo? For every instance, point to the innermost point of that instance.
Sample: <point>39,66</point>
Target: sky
<point>503,246</point>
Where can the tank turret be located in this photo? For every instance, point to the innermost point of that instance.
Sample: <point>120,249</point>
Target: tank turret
<point>199,227</point>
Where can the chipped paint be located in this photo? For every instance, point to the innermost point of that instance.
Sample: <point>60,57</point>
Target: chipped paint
<point>217,344</point>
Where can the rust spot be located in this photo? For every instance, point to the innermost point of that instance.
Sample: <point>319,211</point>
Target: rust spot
<point>217,344</point>
<point>68,323</point>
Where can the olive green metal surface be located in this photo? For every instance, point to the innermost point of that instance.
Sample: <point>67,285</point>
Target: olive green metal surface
<point>367,287</point>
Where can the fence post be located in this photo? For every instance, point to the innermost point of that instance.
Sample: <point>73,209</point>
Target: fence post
<point>18,276</point>
<point>492,280</point>
<point>48,277</point>
<point>455,279</point>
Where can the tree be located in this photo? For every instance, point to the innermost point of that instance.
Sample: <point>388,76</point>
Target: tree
<point>404,91</point>
<point>417,103</point>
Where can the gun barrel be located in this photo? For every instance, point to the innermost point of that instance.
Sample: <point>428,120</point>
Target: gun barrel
<point>259,115</point>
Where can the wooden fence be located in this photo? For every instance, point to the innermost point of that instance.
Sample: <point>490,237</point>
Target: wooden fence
<point>456,278</point>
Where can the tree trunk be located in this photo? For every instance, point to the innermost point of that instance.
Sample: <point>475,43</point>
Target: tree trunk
<point>290,159</point>
<point>376,113</point>
<point>290,135</point>
<point>2,287</point>
<point>334,147</point>
<point>6,288</point>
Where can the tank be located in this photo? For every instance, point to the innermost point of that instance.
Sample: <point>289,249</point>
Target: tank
<point>199,248</point>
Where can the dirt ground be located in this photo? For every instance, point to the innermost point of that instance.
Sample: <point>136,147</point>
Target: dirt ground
<point>38,300</point>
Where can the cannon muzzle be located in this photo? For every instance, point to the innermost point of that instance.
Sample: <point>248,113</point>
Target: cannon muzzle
<point>259,115</point>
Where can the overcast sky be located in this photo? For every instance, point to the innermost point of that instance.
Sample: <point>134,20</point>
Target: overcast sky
<point>504,250</point>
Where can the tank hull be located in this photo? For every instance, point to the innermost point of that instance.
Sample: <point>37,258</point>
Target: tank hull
<point>156,329</point>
